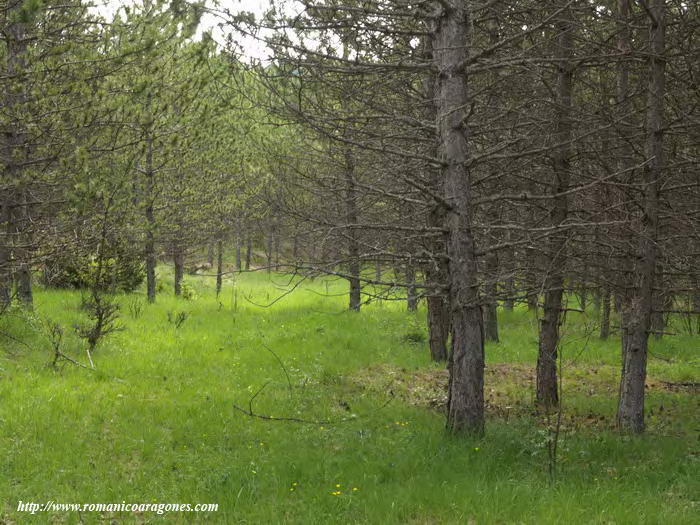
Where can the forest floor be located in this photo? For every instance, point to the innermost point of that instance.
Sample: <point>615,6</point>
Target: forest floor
<point>156,421</point>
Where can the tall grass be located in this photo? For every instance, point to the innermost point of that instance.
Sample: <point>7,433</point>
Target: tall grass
<point>156,422</point>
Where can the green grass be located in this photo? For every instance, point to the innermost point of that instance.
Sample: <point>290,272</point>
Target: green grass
<point>156,422</point>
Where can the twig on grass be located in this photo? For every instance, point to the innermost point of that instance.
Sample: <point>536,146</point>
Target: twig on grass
<point>251,413</point>
<point>284,368</point>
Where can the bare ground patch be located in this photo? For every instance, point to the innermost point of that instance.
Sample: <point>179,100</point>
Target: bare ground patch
<point>509,389</point>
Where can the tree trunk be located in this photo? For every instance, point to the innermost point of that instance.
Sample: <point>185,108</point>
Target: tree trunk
<point>210,254</point>
<point>22,254</point>
<point>658,319</point>
<point>438,326</point>
<point>411,291</point>
<point>510,292</point>
<point>465,401</point>
<point>248,252</point>
<point>662,301</point>
<point>437,275</point>
<point>547,387</point>
<point>605,314</point>
<point>24,285</point>
<point>596,300</point>
<point>583,296</point>
<point>219,265</point>
<point>638,304</point>
<point>531,285</point>
<point>5,268</point>
<point>547,395</point>
<point>491,304</point>
<point>150,264</point>
<point>13,152</point>
<point>351,217</point>
<point>179,262</point>
<point>437,269</point>
<point>490,314</point>
<point>695,299</point>
<point>276,247</point>
<point>150,247</point>
<point>532,300</point>
<point>270,246</point>
<point>238,251</point>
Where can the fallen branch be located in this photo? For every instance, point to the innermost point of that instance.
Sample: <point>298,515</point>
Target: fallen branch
<point>690,385</point>
<point>667,360</point>
<point>55,334</point>
<point>61,355</point>
<point>284,368</point>
<point>251,413</point>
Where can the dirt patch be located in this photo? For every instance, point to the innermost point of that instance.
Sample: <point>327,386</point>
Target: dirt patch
<point>428,387</point>
<point>690,387</point>
<point>508,388</point>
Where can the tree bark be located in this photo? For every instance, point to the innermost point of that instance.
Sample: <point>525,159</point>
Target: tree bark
<point>179,263</point>
<point>658,319</point>
<point>662,300</point>
<point>531,285</point>
<point>437,275</point>
<point>150,247</point>
<point>547,386</point>
<point>465,401</point>
<point>24,284</point>
<point>605,314</point>
<point>22,253</point>
<point>351,217</point>
<point>547,395</point>
<point>411,291</point>
<point>437,269</point>
<point>695,299</point>
<point>238,251</point>
<point>637,308</point>
<point>210,254</point>
<point>248,251</point>
<point>508,302</point>
<point>270,246</point>
<point>583,296</point>
<point>5,268</point>
<point>491,304</point>
<point>532,300</point>
<point>596,300</point>
<point>219,265</point>
<point>13,152</point>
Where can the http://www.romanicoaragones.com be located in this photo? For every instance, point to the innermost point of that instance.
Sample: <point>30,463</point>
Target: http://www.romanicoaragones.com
<point>156,508</point>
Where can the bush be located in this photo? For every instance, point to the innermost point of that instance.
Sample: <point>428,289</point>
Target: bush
<point>122,270</point>
<point>188,292</point>
<point>414,337</point>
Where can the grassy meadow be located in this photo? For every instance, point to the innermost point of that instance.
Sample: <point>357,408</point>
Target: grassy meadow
<point>156,422</point>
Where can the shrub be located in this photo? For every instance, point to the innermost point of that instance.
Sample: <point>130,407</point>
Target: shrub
<point>177,319</point>
<point>122,270</point>
<point>414,337</point>
<point>188,291</point>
